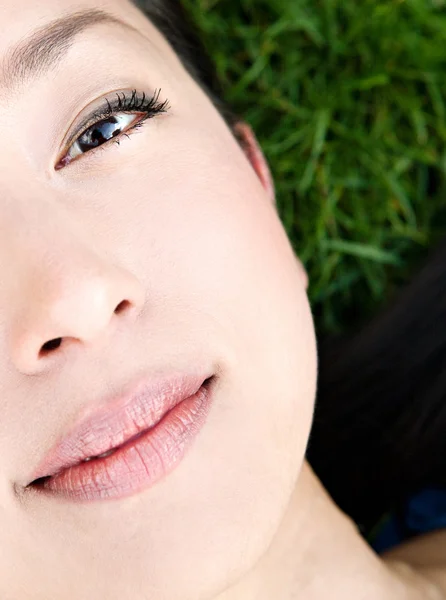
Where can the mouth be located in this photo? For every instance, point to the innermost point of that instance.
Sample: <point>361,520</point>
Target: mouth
<point>131,443</point>
<point>41,480</point>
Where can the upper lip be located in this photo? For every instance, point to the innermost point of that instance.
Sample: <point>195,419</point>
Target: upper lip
<point>120,418</point>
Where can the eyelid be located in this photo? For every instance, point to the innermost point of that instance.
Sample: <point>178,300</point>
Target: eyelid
<point>100,112</point>
<point>124,101</point>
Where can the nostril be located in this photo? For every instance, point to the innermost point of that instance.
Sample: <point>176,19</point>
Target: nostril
<point>122,306</point>
<point>51,345</point>
<point>55,343</point>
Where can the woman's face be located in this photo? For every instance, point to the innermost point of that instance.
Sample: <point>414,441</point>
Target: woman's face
<point>175,223</point>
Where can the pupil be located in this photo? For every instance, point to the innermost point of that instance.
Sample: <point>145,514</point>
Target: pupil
<point>99,133</point>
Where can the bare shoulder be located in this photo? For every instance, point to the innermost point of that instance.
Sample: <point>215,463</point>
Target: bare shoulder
<point>424,555</point>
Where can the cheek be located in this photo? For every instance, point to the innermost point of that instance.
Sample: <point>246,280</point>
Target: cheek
<point>227,259</point>
<point>204,235</point>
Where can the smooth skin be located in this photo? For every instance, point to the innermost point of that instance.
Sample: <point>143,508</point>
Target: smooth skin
<point>179,227</point>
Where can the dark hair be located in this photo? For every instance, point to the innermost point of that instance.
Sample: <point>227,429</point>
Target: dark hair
<point>378,431</point>
<point>170,17</point>
<point>380,418</point>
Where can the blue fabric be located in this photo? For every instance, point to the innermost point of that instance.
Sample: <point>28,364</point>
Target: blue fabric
<point>422,513</point>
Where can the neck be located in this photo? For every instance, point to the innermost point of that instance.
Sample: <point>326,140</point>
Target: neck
<point>318,549</point>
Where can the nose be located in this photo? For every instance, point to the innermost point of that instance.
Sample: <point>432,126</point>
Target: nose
<point>75,299</point>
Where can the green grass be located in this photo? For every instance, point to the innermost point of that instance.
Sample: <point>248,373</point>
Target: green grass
<point>348,99</point>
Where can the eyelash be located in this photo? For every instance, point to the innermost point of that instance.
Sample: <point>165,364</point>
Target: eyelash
<point>124,102</point>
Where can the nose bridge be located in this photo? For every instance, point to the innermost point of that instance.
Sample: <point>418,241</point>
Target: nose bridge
<point>58,286</point>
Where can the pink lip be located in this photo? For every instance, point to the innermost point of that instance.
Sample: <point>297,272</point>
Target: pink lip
<point>149,430</point>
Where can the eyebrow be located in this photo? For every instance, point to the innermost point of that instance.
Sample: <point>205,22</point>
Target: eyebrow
<point>41,51</point>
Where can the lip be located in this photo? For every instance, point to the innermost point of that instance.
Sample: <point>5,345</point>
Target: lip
<point>148,429</point>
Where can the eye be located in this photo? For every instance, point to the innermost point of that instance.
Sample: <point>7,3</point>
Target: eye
<point>99,133</point>
<point>115,118</point>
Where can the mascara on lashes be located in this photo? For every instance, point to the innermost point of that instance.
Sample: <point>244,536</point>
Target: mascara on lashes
<point>121,103</point>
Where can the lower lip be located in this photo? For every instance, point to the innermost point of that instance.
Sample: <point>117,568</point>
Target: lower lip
<point>139,463</point>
